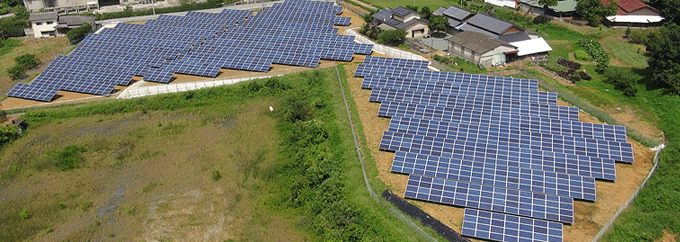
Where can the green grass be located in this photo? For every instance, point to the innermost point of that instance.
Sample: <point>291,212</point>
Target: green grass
<point>201,131</point>
<point>629,53</point>
<point>8,45</point>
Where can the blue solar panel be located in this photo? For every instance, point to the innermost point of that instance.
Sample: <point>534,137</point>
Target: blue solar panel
<point>509,228</point>
<point>497,199</point>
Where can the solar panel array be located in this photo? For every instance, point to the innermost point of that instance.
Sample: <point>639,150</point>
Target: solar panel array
<point>495,145</point>
<point>296,32</point>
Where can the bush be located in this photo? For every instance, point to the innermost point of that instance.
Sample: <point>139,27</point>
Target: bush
<point>68,158</point>
<point>393,37</point>
<point>78,34</point>
<point>27,61</point>
<point>24,214</point>
<point>581,55</point>
<point>16,72</point>
<point>622,81</point>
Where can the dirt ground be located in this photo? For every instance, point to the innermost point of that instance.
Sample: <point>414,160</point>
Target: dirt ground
<point>589,216</point>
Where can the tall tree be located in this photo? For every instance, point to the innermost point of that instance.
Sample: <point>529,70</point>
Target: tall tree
<point>670,9</point>
<point>437,23</point>
<point>425,12</point>
<point>664,59</point>
<point>593,11</point>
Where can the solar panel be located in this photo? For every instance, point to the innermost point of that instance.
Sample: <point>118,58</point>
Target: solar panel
<point>574,186</point>
<point>509,228</point>
<point>500,153</point>
<point>496,199</point>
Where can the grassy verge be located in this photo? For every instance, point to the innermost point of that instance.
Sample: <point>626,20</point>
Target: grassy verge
<point>280,190</point>
<point>629,53</point>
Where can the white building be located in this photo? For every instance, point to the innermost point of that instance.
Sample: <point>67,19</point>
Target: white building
<point>43,24</point>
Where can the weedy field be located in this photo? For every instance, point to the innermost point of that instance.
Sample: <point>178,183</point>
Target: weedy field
<point>207,165</point>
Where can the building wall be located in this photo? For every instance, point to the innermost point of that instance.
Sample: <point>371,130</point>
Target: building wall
<point>42,26</point>
<point>414,32</point>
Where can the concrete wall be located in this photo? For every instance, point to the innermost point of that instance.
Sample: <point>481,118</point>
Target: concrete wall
<point>43,27</point>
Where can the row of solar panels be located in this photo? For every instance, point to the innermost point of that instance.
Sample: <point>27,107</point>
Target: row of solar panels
<point>494,145</point>
<point>295,32</point>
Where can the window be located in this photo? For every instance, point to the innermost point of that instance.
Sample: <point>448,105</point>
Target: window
<point>38,23</point>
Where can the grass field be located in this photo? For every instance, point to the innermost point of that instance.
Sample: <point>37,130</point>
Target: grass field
<point>45,49</point>
<point>213,164</point>
<point>631,54</point>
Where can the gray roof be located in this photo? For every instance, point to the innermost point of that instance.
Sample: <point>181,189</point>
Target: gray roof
<point>514,37</point>
<point>76,20</point>
<point>490,24</point>
<point>453,22</point>
<point>457,13</point>
<point>439,11</point>
<point>383,14</point>
<point>471,28</point>
<point>402,11</point>
<point>479,43</point>
<point>42,16</point>
<point>411,23</point>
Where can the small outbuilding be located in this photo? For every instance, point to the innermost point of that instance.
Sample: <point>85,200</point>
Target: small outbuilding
<point>481,49</point>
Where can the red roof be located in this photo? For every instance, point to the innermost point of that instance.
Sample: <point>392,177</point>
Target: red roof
<point>627,6</point>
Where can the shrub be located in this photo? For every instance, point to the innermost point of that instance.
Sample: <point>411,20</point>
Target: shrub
<point>581,55</point>
<point>27,61</point>
<point>78,34</point>
<point>622,80</point>
<point>393,37</point>
<point>216,176</point>
<point>68,158</point>
<point>24,214</point>
<point>16,72</point>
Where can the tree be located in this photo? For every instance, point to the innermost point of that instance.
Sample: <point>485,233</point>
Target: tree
<point>78,34</point>
<point>547,4</point>
<point>593,11</point>
<point>393,37</point>
<point>664,59</point>
<point>437,23</point>
<point>27,61</point>
<point>670,9</point>
<point>425,12</point>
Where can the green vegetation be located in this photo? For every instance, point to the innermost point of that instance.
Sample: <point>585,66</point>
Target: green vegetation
<point>24,214</point>
<point>629,53</point>
<point>7,45</point>
<point>285,188</point>
<point>216,176</point>
<point>392,37</point>
<point>77,34</point>
<point>596,51</point>
<point>593,11</point>
<point>68,158</point>
<point>438,23</point>
<point>581,55</point>
<point>664,62</point>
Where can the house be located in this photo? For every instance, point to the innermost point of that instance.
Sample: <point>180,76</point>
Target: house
<point>633,13</point>
<point>565,8</point>
<point>43,24</point>
<point>503,3</point>
<point>402,18</point>
<point>61,6</point>
<point>455,16</point>
<point>69,22</point>
<point>481,49</point>
<point>482,23</point>
<point>51,24</point>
